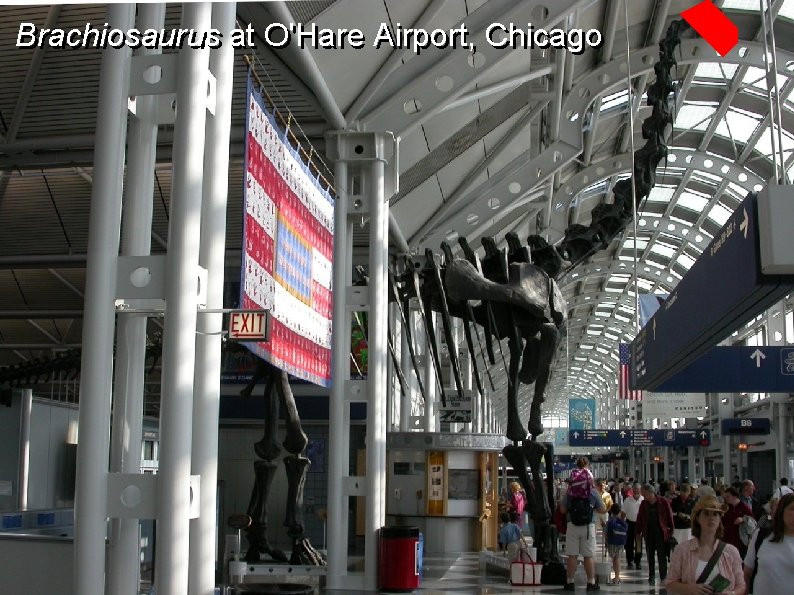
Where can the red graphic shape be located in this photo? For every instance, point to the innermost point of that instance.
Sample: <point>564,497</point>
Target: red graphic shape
<point>713,26</point>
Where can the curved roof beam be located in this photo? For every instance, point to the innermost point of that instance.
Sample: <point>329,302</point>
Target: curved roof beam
<point>412,93</point>
<point>604,269</point>
<point>526,172</point>
<point>679,157</point>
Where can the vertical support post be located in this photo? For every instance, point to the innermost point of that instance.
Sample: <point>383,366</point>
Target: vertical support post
<point>25,410</point>
<point>179,337</point>
<point>93,446</point>
<point>364,156</point>
<point>125,448</point>
<point>339,407</point>
<point>203,534</point>
<point>376,380</point>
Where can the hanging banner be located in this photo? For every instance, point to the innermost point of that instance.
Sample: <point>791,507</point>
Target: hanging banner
<point>667,405</point>
<point>581,414</point>
<point>288,243</point>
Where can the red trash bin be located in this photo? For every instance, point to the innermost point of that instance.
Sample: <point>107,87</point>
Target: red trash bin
<point>398,559</point>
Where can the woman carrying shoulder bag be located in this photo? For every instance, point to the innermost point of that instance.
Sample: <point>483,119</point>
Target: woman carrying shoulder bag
<point>774,556</point>
<point>705,564</point>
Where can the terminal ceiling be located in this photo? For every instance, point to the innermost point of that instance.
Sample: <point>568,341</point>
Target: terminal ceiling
<point>462,146</point>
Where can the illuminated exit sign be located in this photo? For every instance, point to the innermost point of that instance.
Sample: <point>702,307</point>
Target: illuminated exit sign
<point>249,325</point>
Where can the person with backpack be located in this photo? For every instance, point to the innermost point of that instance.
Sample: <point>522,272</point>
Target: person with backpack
<point>705,564</point>
<point>616,532</point>
<point>655,524</point>
<point>580,538</point>
<point>769,564</point>
<point>581,480</point>
<point>734,519</point>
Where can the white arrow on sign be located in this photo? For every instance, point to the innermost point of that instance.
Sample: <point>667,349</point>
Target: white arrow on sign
<point>622,434</point>
<point>576,435</point>
<point>745,224</point>
<point>757,355</point>
<point>703,435</point>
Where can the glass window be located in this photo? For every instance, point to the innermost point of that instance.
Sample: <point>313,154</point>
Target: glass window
<point>719,214</point>
<point>694,116</point>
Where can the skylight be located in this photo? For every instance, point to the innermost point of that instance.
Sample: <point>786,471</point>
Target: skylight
<point>661,194</point>
<point>693,202</point>
<point>693,116</point>
<point>715,70</point>
<point>737,124</point>
<point>764,144</point>
<point>756,78</point>
<point>719,214</point>
<point>614,100</point>
<point>663,250</point>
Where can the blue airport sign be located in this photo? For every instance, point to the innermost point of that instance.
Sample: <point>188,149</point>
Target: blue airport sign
<point>722,290</point>
<point>639,437</point>
<point>736,369</point>
<point>760,426</point>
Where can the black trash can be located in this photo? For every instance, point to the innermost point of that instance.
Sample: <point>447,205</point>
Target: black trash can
<point>398,559</point>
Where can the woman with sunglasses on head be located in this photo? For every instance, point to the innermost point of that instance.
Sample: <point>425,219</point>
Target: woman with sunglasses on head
<point>705,564</point>
<point>774,558</point>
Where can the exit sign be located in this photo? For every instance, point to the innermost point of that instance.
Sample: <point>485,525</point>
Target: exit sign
<point>249,325</point>
<point>746,426</point>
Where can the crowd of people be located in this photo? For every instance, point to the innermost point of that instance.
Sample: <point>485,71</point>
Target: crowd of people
<point>703,539</point>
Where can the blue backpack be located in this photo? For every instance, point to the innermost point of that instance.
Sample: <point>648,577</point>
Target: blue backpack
<point>617,530</point>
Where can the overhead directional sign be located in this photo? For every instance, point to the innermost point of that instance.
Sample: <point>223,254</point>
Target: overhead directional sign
<point>639,437</point>
<point>723,290</point>
<point>737,369</point>
<point>761,426</point>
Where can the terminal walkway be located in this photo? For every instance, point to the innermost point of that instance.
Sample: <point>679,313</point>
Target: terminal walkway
<point>459,573</point>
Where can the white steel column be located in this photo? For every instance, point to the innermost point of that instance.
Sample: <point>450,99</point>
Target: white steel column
<point>179,337</point>
<point>23,471</point>
<point>361,155</point>
<point>96,371</point>
<point>203,534</point>
<point>125,448</point>
<point>339,407</point>
<point>376,380</point>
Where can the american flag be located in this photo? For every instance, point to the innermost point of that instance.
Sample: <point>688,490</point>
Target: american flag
<point>624,392</point>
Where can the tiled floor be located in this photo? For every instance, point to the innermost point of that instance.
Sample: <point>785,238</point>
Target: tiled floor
<point>460,574</point>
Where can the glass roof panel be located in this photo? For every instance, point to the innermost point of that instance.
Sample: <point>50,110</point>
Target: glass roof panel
<point>694,116</point>
<point>690,200</point>
<point>741,4</point>
<point>663,249</point>
<point>614,100</point>
<point>787,10</point>
<point>756,79</point>
<point>739,125</point>
<point>719,214</point>
<point>715,70</point>
<point>764,143</point>
<point>661,194</point>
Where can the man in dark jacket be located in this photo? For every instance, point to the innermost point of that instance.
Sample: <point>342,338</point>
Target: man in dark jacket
<point>655,524</point>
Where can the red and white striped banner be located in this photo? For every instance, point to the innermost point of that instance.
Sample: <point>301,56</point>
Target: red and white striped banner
<point>288,243</point>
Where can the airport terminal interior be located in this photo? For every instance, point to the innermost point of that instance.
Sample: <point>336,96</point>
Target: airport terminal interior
<point>303,297</point>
